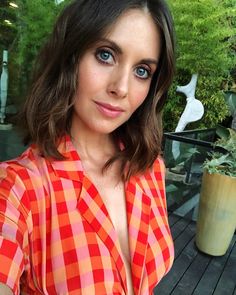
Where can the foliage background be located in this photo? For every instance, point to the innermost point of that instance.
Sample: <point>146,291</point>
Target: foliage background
<point>205,40</point>
<point>32,22</point>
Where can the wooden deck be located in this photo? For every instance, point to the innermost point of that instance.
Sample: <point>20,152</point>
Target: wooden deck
<point>194,272</point>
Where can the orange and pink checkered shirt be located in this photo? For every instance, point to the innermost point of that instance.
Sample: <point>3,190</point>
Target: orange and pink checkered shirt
<point>56,236</point>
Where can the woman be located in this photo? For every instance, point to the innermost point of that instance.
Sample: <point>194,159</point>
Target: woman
<point>83,210</point>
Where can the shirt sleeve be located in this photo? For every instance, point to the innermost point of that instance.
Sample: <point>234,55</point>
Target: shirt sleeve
<point>13,228</point>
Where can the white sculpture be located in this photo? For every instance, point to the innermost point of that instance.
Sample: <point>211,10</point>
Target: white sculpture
<point>3,87</point>
<point>193,111</point>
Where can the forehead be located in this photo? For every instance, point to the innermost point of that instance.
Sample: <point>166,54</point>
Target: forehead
<point>136,30</point>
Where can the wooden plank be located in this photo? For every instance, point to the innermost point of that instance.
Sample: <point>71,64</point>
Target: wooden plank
<point>227,282</point>
<point>179,227</point>
<point>184,238</point>
<point>192,275</point>
<point>213,272</point>
<point>168,283</point>
<point>172,218</point>
<point>194,272</point>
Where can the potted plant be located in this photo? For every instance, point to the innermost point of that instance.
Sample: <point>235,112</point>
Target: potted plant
<point>230,99</point>
<point>216,220</point>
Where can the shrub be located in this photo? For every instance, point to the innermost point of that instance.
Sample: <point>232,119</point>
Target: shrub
<point>205,34</point>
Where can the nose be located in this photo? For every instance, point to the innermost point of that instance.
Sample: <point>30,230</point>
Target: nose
<point>118,85</point>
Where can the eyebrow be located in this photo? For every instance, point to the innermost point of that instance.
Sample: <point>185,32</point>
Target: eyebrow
<point>149,61</point>
<point>119,51</point>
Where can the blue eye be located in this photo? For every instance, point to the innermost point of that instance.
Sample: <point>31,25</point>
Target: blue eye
<point>104,56</point>
<point>143,73</point>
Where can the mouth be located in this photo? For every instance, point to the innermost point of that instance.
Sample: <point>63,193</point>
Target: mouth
<point>109,110</point>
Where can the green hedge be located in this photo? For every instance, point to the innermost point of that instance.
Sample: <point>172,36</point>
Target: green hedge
<point>205,39</point>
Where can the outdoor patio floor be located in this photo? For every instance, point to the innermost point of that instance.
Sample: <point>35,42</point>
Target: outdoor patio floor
<point>194,272</point>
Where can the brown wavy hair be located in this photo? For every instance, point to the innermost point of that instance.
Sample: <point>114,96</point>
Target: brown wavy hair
<point>48,109</point>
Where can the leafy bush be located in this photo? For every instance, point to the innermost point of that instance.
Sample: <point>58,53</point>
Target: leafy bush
<point>223,162</point>
<point>205,35</point>
<point>34,23</point>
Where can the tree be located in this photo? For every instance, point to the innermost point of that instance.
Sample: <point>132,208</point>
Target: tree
<point>7,25</point>
<point>34,23</point>
<point>35,20</point>
<point>204,35</point>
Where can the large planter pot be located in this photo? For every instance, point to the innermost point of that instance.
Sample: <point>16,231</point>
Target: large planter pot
<point>216,220</point>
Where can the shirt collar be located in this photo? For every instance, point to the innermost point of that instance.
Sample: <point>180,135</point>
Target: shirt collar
<point>70,167</point>
<point>89,201</point>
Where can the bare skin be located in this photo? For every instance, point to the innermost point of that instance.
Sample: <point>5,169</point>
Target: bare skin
<point>5,290</point>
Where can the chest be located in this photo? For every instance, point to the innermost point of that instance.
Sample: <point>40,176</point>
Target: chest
<point>115,201</point>
<point>113,196</point>
<point>76,233</point>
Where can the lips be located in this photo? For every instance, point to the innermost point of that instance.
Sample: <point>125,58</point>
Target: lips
<point>109,110</point>
<point>109,107</point>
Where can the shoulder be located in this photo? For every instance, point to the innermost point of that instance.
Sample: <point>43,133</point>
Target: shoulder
<point>159,165</point>
<point>153,179</point>
<point>157,171</point>
<point>159,168</point>
<point>21,181</point>
<point>17,171</point>
<point>158,176</point>
<point>30,158</point>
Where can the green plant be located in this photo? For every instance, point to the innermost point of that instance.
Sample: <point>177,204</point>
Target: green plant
<point>223,161</point>
<point>205,38</point>
<point>204,30</point>
<point>230,98</point>
<point>33,22</point>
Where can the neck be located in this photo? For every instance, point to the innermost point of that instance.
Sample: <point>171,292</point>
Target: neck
<point>92,146</point>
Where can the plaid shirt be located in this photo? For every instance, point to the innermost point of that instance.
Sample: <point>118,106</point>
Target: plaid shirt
<point>56,236</point>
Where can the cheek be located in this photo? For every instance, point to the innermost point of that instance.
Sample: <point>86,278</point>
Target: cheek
<point>139,96</point>
<point>87,84</point>
<point>86,77</point>
<point>87,72</point>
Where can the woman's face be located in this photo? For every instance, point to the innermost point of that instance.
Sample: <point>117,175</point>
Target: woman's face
<point>114,75</point>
